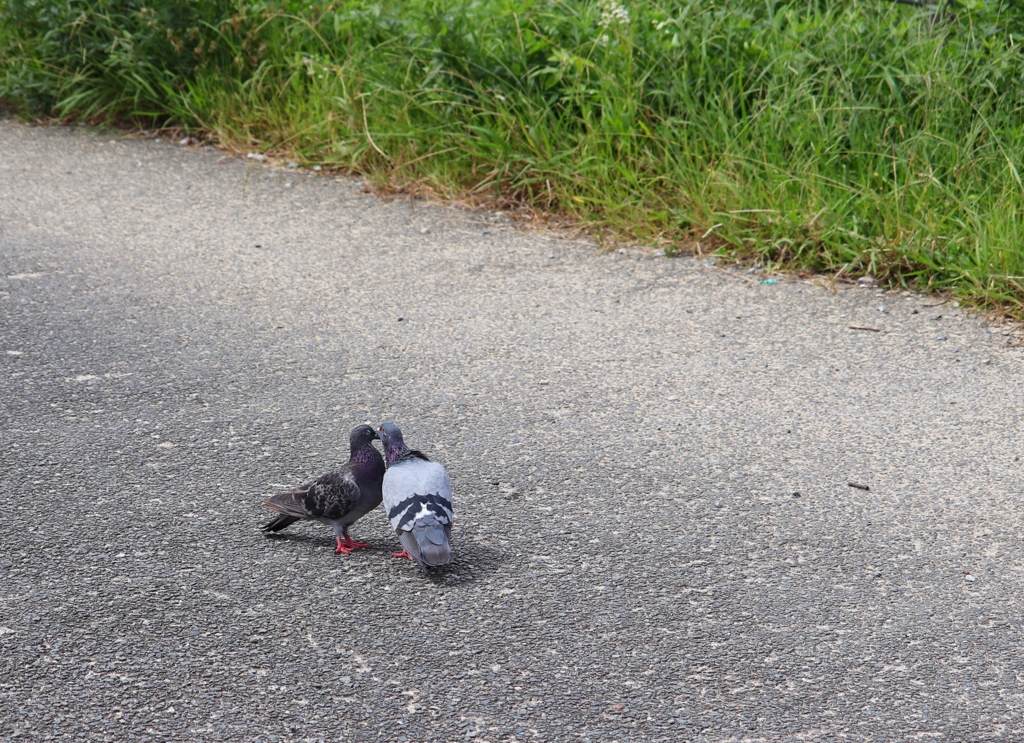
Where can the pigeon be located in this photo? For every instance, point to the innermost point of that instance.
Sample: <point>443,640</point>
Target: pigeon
<point>418,501</point>
<point>339,498</point>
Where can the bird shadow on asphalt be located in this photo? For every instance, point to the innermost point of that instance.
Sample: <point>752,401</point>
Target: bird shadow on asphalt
<point>471,563</point>
<point>320,542</point>
<point>473,560</point>
<point>299,537</point>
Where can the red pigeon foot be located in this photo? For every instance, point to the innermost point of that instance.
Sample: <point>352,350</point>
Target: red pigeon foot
<point>353,545</point>
<point>342,549</point>
<point>403,553</point>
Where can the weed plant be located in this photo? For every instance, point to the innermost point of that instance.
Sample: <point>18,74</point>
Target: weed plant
<point>851,138</point>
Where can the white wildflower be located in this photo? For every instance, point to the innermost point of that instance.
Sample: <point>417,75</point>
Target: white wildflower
<point>613,14</point>
<point>668,26</point>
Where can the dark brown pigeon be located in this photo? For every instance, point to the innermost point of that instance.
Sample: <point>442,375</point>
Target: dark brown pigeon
<point>339,498</point>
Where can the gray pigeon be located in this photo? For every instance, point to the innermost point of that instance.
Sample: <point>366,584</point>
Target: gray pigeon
<point>418,501</point>
<point>339,498</point>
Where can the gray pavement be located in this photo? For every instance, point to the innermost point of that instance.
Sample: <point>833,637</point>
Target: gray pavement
<point>183,334</point>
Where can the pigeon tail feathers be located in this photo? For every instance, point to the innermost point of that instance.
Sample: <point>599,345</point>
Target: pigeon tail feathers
<point>288,505</point>
<point>427,542</point>
<point>280,522</point>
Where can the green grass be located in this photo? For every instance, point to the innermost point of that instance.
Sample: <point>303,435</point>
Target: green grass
<point>829,137</point>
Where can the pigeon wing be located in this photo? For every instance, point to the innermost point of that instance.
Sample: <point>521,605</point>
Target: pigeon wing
<point>414,488</point>
<point>328,497</point>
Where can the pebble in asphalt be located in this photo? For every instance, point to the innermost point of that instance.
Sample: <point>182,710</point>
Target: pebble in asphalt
<point>626,435</point>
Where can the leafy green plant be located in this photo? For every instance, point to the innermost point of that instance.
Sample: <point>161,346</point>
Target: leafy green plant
<point>874,138</point>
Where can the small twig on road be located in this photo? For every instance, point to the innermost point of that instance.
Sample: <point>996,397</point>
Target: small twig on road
<point>741,276</point>
<point>858,486</point>
<point>830,281</point>
<point>865,327</point>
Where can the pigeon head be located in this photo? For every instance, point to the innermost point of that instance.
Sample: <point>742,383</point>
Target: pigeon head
<point>391,437</point>
<point>390,434</point>
<point>361,437</point>
<point>365,460</point>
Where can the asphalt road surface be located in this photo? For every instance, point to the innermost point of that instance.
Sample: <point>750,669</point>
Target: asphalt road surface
<point>655,535</point>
